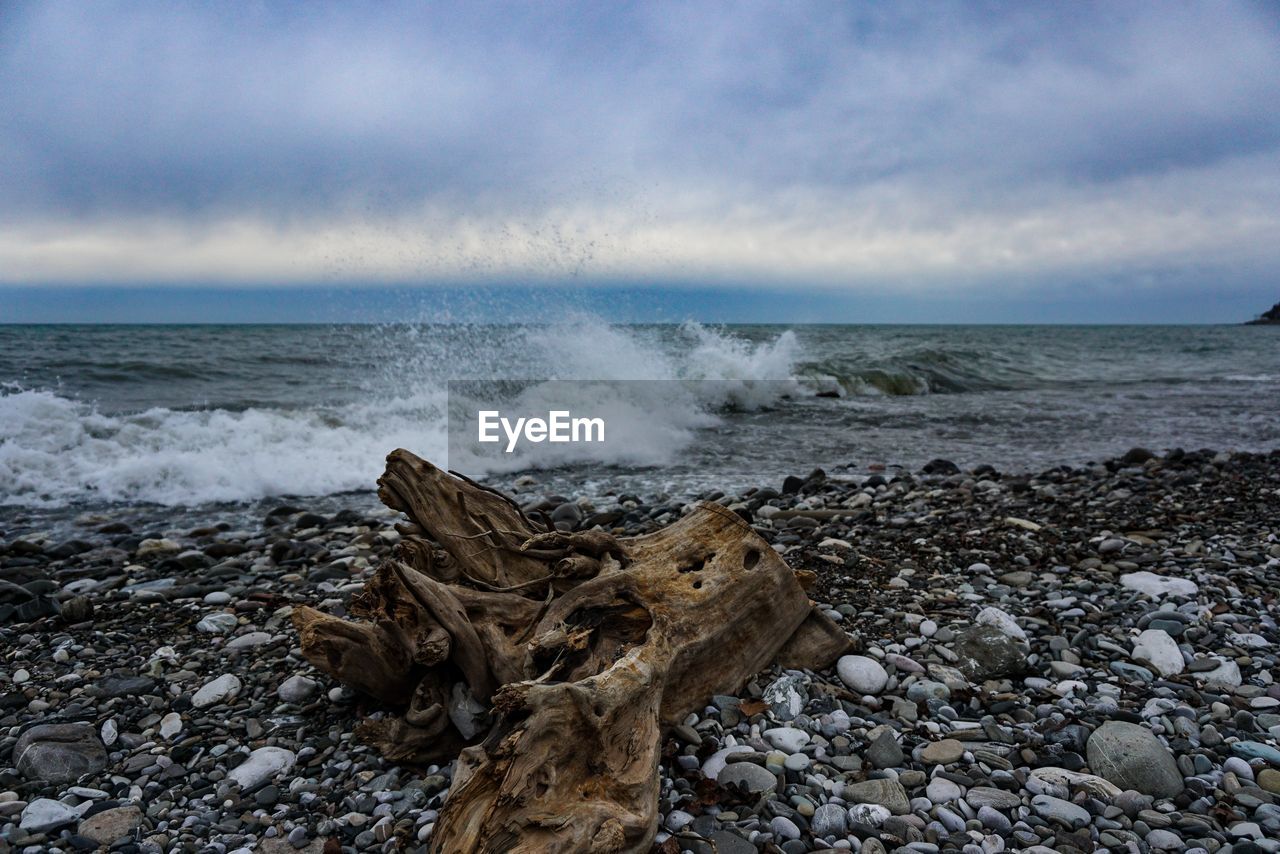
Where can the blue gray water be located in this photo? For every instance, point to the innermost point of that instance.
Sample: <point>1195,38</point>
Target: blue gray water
<point>99,416</point>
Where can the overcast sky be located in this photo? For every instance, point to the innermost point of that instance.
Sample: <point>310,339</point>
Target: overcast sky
<point>1116,151</point>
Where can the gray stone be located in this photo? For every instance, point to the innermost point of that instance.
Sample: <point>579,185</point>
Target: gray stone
<point>862,674</point>
<point>44,814</point>
<point>751,777</point>
<point>261,765</point>
<point>216,691</point>
<point>246,641</point>
<point>1131,757</point>
<point>59,753</point>
<point>988,796</point>
<point>886,793</point>
<point>885,752</point>
<point>985,652</point>
<point>731,843</point>
<point>1056,809</point>
<point>297,689</point>
<point>828,820</point>
<point>993,819</point>
<point>784,828</point>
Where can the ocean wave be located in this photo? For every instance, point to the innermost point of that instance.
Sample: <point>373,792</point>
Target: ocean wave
<point>57,450</point>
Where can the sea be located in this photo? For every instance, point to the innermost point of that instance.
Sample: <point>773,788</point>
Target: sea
<point>185,423</point>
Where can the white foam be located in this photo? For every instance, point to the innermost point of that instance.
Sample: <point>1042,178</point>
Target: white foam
<point>55,450</point>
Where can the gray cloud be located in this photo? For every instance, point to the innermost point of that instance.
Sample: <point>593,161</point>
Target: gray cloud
<point>412,140</point>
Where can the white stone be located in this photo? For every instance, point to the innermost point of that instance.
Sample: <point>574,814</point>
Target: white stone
<point>1158,586</point>
<point>170,725</point>
<point>833,543</point>
<point>150,547</point>
<point>979,568</point>
<point>1159,648</point>
<point>217,624</point>
<point>871,815</point>
<point>862,674</point>
<point>248,640</point>
<point>21,676</point>
<point>218,691</point>
<point>109,732</point>
<point>1225,677</point>
<point>45,814</point>
<point>787,739</point>
<point>262,764</point>
<point>217,597</point>
<point>1002,621</point>
<point>1248,640</point>
<point>715,762</point>
<point>297,689</point>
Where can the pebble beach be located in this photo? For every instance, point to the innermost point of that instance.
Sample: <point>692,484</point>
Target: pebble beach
<point>1080,659</point>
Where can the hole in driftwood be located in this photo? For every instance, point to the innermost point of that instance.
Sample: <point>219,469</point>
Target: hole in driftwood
<point>697,564</point>
<point>750,559</point>
<point>697,585</point>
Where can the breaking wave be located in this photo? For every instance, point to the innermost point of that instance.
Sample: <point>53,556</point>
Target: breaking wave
<point>57,449</point>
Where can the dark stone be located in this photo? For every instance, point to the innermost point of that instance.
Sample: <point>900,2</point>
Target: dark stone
<point>123,686</point>
<point>1136,457</point>
<point>308,520</point>
<point>940,466</point>
<point>885,752</point>
<point>59,753</point>
<point>77,609</point>
<point>791,485</point>
<point>224,550</point>
<point>985,652</point>
<point>70,548</point>
<point>35,609</point>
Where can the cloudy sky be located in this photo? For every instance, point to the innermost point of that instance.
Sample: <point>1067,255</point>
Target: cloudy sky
<point>1109,155</point>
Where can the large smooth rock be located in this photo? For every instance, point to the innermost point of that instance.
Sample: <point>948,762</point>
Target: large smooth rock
<point>219,690</point>
<point>59,753</point>
<point>1158,586</point>
<point>862,674</point>
<point>885,793</point>
<point>1131,757</point>
<point>44,814</point>
<point>1056,809</point>
<point>261,765</point>
<point>109,825</point>
<point>985,652</point>
<point>717,761</point>
<point>942,752</point>
<point>787,739</point>
<point>829,820</point>
<point>751,777</point>
<point>1001,620</point>
<point>1158,647</point>
<point>1225,677</point>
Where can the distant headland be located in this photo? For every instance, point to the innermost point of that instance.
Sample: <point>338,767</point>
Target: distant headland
<point>1271,316</point>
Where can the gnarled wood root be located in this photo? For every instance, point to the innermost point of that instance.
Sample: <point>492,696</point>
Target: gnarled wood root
<point>560,658</point>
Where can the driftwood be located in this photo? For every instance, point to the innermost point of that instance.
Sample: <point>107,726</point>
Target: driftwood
<point>551,663</point>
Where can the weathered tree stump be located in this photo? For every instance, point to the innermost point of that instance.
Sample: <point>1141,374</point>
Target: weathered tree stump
<point>559,658</point>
